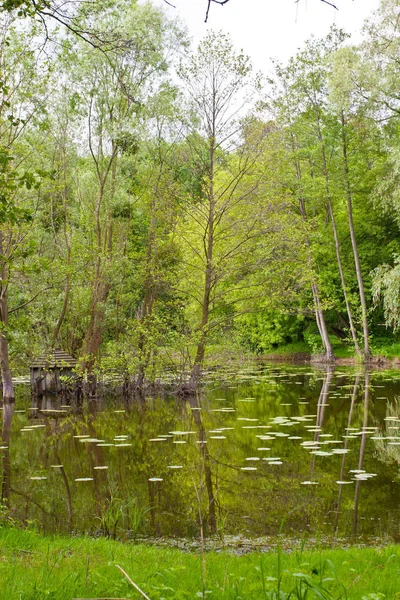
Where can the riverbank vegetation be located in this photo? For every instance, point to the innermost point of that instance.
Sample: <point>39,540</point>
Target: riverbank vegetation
<point>34,566</point>
<point>157,202</point>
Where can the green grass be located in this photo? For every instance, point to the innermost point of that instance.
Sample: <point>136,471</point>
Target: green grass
<point>390,350</point>
<point>33,566</point>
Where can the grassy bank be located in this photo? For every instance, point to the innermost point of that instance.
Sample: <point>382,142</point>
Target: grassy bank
<point>60,568</point>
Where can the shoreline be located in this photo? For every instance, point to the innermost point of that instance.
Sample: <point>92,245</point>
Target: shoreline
<point>309,359</point>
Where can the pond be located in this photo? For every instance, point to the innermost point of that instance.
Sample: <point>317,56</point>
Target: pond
<point>263,448</point>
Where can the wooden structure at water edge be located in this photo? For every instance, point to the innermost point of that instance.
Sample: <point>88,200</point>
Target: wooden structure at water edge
<point>53,373</point>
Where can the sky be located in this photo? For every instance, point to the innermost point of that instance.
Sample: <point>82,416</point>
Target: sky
<point>271,28</point>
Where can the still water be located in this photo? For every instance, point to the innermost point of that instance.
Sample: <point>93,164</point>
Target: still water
<point>261,448</point>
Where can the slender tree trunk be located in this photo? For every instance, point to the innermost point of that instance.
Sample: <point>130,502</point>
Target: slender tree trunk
<point>94,333</point>
<point>67,290</point>
<point>321,324</point>
<point>7,382</point>
<point>319,313</point>
<point>148,298</point>
<point>208,276</point>
<point>343,281</point>
<point>101,287</point>
<point>367,351</point>
<point>336,238</point>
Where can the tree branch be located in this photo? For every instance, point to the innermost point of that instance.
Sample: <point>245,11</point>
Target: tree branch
<point>222,2</point>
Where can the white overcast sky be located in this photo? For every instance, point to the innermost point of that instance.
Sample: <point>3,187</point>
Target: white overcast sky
<point>271,28</point>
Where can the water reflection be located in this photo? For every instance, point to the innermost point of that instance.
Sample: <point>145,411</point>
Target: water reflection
<point>8,412</point>
<point>319,449</point>
<point>346,444</point>
<point>205,464</point>
<point>361,456</point>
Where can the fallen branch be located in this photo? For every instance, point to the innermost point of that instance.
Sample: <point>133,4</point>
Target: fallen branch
<point>132,582</point>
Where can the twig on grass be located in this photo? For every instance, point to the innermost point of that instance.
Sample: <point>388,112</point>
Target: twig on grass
<point>133,583</point>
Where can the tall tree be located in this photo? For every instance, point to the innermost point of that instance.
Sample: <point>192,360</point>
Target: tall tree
<point>112,90</point>
<point>230,227</point>
<point>288,105</point>
<point>22,65</point>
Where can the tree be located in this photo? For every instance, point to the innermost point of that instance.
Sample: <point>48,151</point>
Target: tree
<point>345,108</point>
<point>231,226</point>
<point>323,118</point>
<point>290,105</point>
<point>22,64</point>
<point>112,90</point>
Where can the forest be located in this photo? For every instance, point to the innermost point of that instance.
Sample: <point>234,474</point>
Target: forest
<point>163,208</point>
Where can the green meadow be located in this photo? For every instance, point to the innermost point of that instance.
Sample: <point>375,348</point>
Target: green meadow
<point>34,567</point>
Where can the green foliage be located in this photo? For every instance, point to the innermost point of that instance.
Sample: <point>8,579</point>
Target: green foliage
<point>386,283</point>
<point>267,330</point>
<point>106,191</point>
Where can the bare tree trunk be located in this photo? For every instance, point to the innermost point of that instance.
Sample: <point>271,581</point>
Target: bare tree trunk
<point>148,299</point>
<point>101,286</point>
<point>367,351</point>
<point>337,243</point>
<point>343,281</point>
<point>7,382</point>
<point>319,313</point>
<point>101,289</point>
<point>67,290</point>
<point>321,324</point>
<point>208,276</point>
